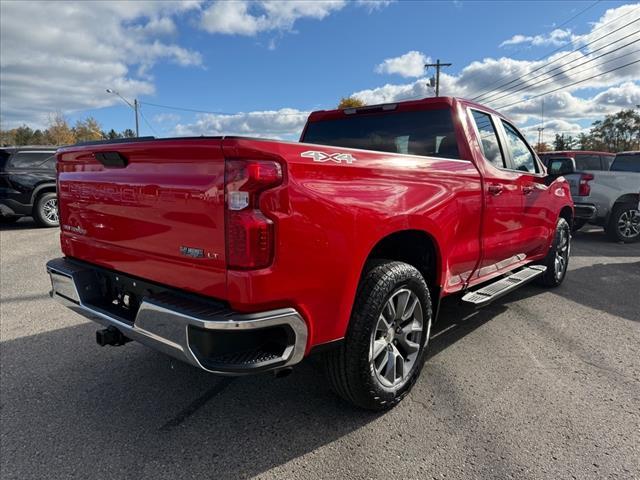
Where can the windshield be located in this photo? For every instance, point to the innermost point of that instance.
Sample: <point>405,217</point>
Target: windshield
<point>627,162</point>
<point>425,132</point>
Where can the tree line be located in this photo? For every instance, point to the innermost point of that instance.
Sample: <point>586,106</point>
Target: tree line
<point>59,132</point>
<point>618,132</point>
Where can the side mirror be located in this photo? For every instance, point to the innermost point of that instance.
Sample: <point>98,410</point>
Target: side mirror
<point>559,166</point>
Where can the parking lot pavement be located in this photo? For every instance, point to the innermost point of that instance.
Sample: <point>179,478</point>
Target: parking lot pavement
<point>545,384</point>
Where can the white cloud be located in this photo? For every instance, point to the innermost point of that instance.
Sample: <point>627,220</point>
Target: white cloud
<point>250,18</point>
<point>555,38</point>
<point>166,118</point>
<point>71,52</point>
<point>286,123</point>
<point>411,64</point>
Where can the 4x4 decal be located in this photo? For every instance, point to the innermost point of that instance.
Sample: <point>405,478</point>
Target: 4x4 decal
<point>325,157</point>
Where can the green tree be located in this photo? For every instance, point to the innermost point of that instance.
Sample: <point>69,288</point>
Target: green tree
<point>128,133</point>
<point>617,132</point>
<point>350,102</point>
<point>112,134</point>
<point>563,142</point>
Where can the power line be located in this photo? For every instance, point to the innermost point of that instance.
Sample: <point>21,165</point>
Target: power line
<point>148,124</point>
<point>569,85</point>
<point>526,83</point>
<point>515,79</point>
<point>193,110</point>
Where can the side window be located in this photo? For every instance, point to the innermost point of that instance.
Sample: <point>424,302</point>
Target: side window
<point>588,162</point>
<point>488,139</point>
<point>29,159</point>
<point>521,155</point>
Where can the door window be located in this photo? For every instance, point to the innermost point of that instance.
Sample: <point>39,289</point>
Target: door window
<point>521,154</point>
<point>489,143</point>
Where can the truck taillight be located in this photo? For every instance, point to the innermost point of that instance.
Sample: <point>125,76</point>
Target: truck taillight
<point>250,234</point>
<point>584,189</point>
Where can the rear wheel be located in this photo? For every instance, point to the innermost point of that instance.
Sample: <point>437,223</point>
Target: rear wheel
<point>384,349</point>
<point>624,224</point>
<point>45,212</point>
<point>557,260</point>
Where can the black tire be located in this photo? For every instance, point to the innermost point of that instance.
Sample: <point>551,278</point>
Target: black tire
<point>624,224</point>
<point>578,223</point>
<point>9,220</point>
<point>349,368</point>
<point>561,246</point>
<point>41,210</point>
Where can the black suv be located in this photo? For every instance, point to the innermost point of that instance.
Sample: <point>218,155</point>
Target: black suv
<point>28,185</point>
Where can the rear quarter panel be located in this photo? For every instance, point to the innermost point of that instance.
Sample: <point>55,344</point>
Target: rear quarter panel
<point>330,215</point>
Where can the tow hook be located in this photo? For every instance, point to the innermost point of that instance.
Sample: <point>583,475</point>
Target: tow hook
<point>111,336</point>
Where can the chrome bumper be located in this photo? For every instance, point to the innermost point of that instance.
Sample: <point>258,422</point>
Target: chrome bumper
<point>166,322</point>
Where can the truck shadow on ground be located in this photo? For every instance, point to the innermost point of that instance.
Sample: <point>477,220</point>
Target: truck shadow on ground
<point>129,412</point>
<point>593,242</point>
<point>594,286</point>
<point>24,223</point>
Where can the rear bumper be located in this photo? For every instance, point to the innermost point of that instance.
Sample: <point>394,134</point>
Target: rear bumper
<point>204,334</point>
<point>585,211</point>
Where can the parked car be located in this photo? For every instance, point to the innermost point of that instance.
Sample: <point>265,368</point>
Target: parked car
<point>28,185</point>
<point>242,255</point>
<point>585,160</point>
<point>610,199</point>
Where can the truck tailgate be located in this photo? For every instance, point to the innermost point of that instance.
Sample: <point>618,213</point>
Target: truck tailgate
<point>152,209</point>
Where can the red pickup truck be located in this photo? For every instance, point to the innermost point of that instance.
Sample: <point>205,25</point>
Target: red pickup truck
<point>241,255</point>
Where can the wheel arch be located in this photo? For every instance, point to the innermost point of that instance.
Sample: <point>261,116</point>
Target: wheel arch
<point>627,198</point>
<point>567,213</point>
<point>415,247</point>
<point>40,189</point>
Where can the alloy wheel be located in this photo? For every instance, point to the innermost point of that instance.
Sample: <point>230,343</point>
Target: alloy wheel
<point>396,339</point>
<point>629,224</point>
<point>50,210</point>
<point>562,254</point>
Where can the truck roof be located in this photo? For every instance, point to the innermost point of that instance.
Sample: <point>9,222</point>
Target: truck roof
<point>423,103</point>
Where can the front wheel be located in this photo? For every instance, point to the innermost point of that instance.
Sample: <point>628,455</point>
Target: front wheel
<point>384,349</point>
<point>557,259</point>
<point>624,225</point>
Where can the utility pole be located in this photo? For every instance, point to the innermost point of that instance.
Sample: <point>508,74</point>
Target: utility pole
<point>438,65</point>
<point>135,106</point>
<point>541,127</point>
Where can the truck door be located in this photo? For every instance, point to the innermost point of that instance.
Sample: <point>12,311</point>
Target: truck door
<point>537,221</point>
<point>503,224</point>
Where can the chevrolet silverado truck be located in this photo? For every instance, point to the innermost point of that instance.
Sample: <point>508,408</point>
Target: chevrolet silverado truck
<point>610,199</point>
<point>242,255</point>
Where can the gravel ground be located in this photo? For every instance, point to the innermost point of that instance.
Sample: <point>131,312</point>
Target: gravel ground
<point>542,385</point>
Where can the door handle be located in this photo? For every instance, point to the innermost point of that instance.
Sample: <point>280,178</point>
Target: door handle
<point>527,189</point>
<point>495,188</point>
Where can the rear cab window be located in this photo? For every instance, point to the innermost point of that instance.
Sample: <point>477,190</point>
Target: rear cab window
<point>422,132</point>
<point>587,162</point>
<point>626,162</point>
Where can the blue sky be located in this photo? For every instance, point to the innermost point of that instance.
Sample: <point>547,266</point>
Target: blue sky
<point>267,56</point>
